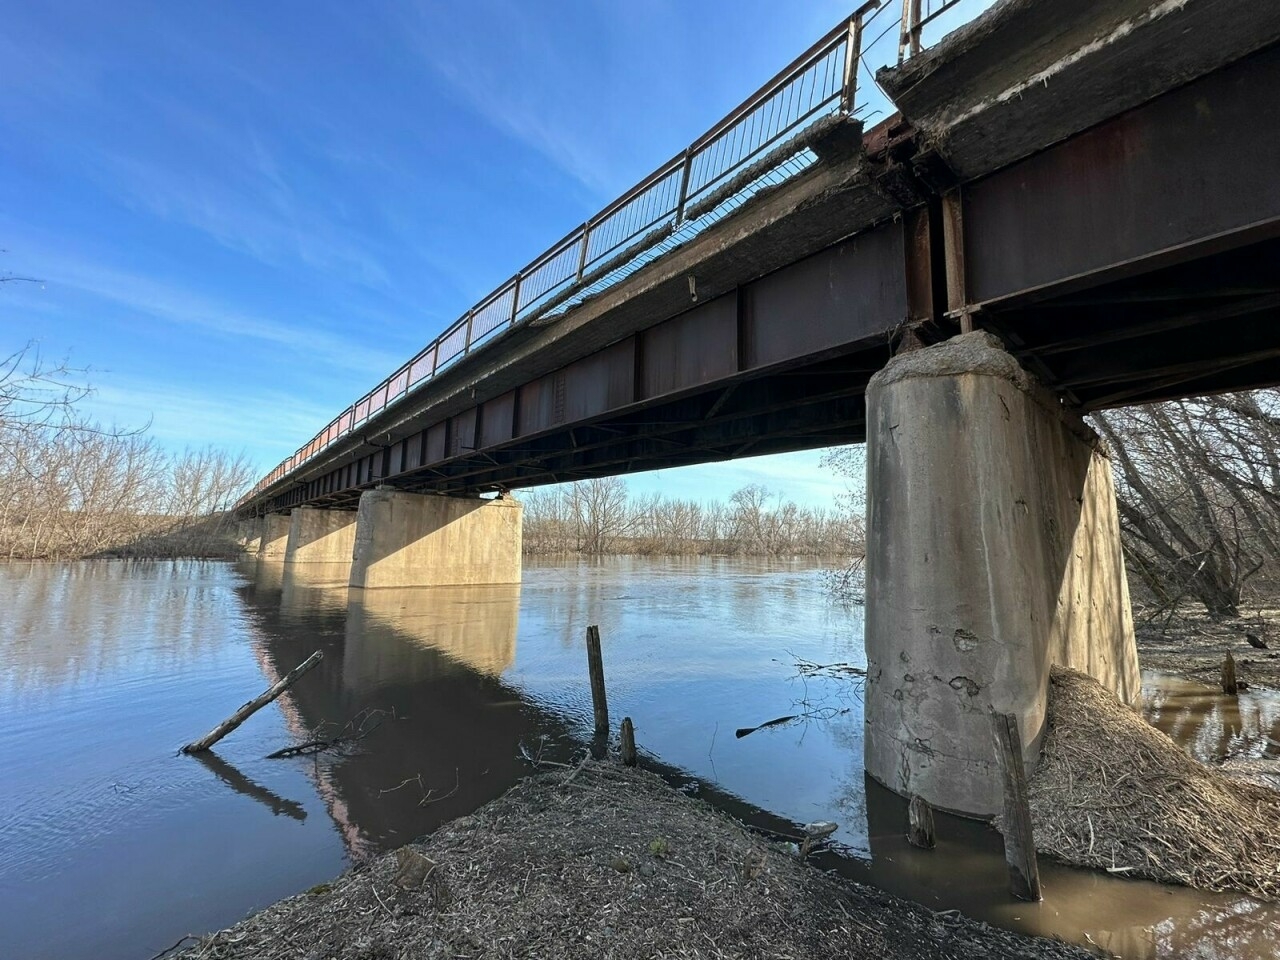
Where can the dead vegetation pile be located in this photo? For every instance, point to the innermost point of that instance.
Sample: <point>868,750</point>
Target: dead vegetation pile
<point>603,861</point>
<point>1115,793</point>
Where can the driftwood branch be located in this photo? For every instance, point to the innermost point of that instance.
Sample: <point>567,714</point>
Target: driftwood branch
<point>253,706</point>
<point>357,728</point>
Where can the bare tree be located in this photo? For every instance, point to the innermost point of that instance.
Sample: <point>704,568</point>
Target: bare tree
<point>1198,487</point>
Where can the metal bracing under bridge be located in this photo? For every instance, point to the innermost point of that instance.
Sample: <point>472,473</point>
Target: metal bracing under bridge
<point>1116,223</point>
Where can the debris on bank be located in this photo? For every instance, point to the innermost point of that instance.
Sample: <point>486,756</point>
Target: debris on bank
<point>603,861</point>
<point>1114,793</point>
<point>1191,644</point>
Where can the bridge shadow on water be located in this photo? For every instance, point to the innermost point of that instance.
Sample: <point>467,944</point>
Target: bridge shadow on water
<point>460,720</point>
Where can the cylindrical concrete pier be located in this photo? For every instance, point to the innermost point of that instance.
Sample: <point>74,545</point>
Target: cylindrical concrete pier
<point>993,552</point>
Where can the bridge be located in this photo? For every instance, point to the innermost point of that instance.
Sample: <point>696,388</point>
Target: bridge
<point>1074,206</point>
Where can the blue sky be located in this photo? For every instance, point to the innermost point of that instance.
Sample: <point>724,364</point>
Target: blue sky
<point>245,215</point>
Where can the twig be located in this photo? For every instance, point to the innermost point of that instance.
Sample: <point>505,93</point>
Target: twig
<point>176,945</point>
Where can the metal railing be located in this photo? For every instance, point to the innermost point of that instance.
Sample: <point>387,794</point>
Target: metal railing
<point>759,144</point>
<point>916,15</point>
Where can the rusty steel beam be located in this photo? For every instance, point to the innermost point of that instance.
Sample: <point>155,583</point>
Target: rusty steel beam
<point>1189,173</point>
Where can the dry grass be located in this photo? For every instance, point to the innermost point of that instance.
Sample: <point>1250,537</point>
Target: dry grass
<point>1113,792</point>
<point>602,861</point>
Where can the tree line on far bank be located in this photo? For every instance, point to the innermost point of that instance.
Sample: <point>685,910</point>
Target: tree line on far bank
<point>73,488</point>
<point>602,517</point>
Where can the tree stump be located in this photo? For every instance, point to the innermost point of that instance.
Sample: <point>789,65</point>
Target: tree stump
<point>1229,684</point>
<point>628,742</point>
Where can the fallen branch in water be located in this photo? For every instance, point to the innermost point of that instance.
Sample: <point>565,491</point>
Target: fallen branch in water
<point>253,706</point>
<point>427,795</point>
<point>358,732</point>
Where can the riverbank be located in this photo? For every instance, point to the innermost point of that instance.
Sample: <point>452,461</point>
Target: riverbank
<point>1111,792</point>
<point>1191,644</point>
<point>603,861</point>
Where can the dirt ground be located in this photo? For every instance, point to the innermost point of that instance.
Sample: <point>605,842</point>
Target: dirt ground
<point>1188,643</point>
<point>603,861</point>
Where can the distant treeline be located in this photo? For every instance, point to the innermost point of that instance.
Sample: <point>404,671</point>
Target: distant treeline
<point>600,517</point>
<point>72,488</point>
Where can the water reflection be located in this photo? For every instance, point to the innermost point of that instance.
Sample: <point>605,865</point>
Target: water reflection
<point>427,661</point>
<point>473,626</point>
<point>1213,726</point>
<point>242,785</point>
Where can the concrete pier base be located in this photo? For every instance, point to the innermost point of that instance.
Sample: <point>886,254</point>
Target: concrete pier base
<point>275,536</point>
<point>249,534</point>
<point>993,552</point>
<point>428,540</point>
<point>320,536</point>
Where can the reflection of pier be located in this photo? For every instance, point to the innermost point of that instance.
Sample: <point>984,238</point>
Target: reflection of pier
<point>431,658</point>
<point>472,626</point>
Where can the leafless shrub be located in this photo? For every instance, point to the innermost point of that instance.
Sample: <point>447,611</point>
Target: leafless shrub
<point>70,487</point>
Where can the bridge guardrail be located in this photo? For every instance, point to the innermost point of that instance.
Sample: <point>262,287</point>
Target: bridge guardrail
<point>755,146</point>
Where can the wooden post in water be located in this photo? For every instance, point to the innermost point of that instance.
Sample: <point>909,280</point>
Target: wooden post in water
<point>1229,685</point>
<point>628,742</point>
<point>253,706</point>
<point>920,824</point>
<point>595,664</point>
<point>1019,842</point>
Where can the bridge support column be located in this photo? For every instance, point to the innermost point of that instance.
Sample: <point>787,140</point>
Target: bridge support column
<point>275,536</point>
<point>993,552</point>
<point>320,536</point>
<point>421,540</point>
<point>249,534</point>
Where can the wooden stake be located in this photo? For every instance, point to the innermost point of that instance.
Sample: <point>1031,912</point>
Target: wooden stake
<point>253,706</point>
<point>920,824</point>
<point>1229,684</point>
<point>595,664</point>
<point>1019,843</point>
<point>628,742</point>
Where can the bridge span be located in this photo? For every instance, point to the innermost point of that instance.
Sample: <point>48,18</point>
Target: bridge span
<point>1074,207</point>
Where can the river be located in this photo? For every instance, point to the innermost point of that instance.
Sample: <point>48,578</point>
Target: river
<point>114,845</point>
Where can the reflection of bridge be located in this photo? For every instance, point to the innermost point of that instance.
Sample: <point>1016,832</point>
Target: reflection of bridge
<point>431,660</point>
<point>1092,182</point>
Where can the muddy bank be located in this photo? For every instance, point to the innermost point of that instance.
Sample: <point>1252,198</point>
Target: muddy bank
<point>1113,793</point>
<point>603,862</point>
<point>1191,644</point>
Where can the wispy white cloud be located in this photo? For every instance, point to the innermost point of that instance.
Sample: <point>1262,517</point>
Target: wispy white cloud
<point>267,424</point>
<point>174,304</point>
<point>259,215</point>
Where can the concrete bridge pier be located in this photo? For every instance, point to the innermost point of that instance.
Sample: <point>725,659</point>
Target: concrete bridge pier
<point>275,536</point>
<point>993,552</point>
<point>249,534</point>
<point>320,536</point>
<point>431,540</point>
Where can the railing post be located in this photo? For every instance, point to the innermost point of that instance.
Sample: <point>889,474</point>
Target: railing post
<point>466,346</point>
<point>685,172</point>
<point>582,257</point>
<point>515,300</point>
<point>910,32</point>
<point>852,54</point>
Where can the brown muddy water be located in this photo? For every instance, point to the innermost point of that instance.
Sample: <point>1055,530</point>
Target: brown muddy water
<point>113,846</point>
